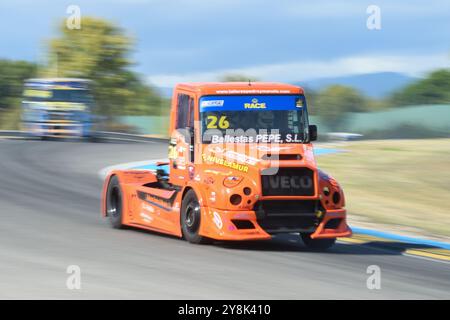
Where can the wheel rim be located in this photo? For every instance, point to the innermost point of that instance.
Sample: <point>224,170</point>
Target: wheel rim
<point>192,217</point>
<point>115,202</point>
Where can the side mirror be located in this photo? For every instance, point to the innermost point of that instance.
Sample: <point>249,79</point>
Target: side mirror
<point>312,132</point>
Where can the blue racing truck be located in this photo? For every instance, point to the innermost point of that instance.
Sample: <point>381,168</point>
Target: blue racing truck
<point>57,107</point>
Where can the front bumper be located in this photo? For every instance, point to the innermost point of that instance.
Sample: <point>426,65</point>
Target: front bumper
<point>342,230</point>
<point>64,129</point>
<point>222,225</point>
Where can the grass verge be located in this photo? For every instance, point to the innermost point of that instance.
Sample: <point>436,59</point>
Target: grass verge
<point>396,182</point>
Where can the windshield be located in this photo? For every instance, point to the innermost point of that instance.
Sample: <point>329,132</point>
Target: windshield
<point>81,96</point>
<point>254,119</point>
<point>59,95</point>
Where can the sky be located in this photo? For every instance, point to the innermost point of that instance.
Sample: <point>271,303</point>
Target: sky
<point>283,40</point>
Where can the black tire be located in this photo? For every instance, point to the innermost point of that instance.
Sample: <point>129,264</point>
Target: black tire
<point>317,244</point>
<point>114,203</point>
<point>190,219</point>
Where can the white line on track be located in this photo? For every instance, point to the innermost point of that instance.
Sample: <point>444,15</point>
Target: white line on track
<point>387,250</point>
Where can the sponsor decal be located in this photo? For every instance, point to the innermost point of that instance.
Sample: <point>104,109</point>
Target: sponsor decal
<point>254,91</point>
<point>146,217</point>
<point>217,220</point>
<point>255,104</point>
<point>173,154</point>
<point>208,180</point>
<point>229,154</point>
<point>212,103</point>
<point>191,171</point>
<point>146,207</point>
<point>224,162</point>
<point>260,138</point>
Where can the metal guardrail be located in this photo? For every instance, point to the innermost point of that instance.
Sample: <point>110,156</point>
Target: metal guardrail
<point>12,133</point>
<point>129,137</point>
<point>105,135</point>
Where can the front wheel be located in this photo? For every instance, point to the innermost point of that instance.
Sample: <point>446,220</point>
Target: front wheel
<point>317,244</point>
<point>114,204</point>
<point>190,219</point>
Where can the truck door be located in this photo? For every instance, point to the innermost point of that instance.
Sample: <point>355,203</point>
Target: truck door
<point>181,148</point>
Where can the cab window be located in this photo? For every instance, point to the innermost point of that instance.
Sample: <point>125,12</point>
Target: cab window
<point>185,111</point>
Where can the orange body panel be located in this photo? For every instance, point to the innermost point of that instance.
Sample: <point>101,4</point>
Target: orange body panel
<point>146,205</point>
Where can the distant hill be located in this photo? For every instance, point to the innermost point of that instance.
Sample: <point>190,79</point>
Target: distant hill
<point>372,84</point>
<point>376,85</point>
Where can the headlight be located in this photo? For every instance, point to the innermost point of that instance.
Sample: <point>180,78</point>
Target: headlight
<point>336,197</point>
<point>235,199</point>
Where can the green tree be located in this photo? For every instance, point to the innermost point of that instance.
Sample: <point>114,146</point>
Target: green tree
<point>100,51</point>
<point>145,100</point>
<point>434,89</point>
<point>334,102</point>
<point>12,76</point>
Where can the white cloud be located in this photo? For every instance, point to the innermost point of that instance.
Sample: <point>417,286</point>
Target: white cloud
<point>346,8</point>
<point>414,65</point>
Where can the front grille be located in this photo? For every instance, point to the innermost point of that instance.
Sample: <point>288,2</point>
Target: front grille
<point>60,116</point>
<point>286,207</point>
<point>287,182</point>
<point>277,216</point>
<point>333,224</point>
<point>243,224</point>
<point>281,157</point>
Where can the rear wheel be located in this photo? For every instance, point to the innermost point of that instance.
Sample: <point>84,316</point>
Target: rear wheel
<point>190,219</point>
<point>114,204</point>
<point>317,244</point>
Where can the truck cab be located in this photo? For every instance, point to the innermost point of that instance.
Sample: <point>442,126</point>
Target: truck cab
<point>241,167</point>
<point>57,107</point>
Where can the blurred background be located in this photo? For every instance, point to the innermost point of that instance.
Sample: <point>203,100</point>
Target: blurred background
<point>376,85</point>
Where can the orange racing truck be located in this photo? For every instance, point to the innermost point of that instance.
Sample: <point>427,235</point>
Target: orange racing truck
<point>241,167</point>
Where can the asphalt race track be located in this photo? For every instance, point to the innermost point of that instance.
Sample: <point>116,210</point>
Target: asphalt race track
<point>50,200</point>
